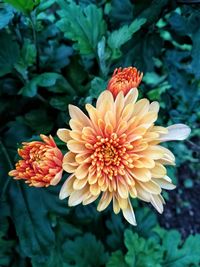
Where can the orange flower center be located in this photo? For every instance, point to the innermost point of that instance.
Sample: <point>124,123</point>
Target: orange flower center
<point>111,155</point>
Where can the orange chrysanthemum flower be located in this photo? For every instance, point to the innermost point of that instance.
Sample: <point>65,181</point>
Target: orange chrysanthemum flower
<point>41,163</point>
<point>115,153</point>
<point>124,80</point>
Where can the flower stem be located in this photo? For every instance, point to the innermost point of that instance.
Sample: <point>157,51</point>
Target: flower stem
<point>7,157</point>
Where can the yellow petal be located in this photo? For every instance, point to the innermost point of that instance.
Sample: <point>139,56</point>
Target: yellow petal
<point>143,175</point>
<point>165,183</point>
<point>151,187</point>
<point>132,96</point>
<point>141,107</point>
<point>105,102</point>
<point>69,163</point>
<point>158,171</point>
<point>119,105</point>
<point>95,189</point>
<point>122,188</point>
<point>64,135</point>
<point>77,115</point>
<point>154,106</point>
<point>157,203</point>
<point>77,197</point>
<point>116,207</point>
<point>76,146</point>
<point>82,171</point>
<point>104,201</point>
<point>128,214</point>
<point>79,184</point>
<point>67,187</point>
<point>123,202</point>
<point>89,199</point>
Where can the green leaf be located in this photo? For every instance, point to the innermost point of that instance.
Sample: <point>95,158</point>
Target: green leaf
<point>61,102</point>
<point>34,118</point>
<point>123,35</point>
<point>6,14</point>
<point>6,246</point>
<point>116,260</point>
<point>78,252</point>
<point>141,252</point>
<point>47,79</point>
<point>30,219</point>
<point>83,26</point>
<point>119,37</point>
<point>25,6</point>
<point>9,53</point>
<point>98,85</point>
<point>177,253</point>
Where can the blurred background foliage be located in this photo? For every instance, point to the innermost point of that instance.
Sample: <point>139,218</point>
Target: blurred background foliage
<point>53,53</point>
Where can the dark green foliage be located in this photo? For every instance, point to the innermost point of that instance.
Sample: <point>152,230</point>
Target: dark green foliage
<point>55,53</point>
<point>166,249</point>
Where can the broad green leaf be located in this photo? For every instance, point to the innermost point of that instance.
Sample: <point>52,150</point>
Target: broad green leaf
<point>78,252</point>
<point>34,118</point>
<point>116,260</point>
<point>178,253</point>
<point>123,35</point>
<point>6,246</point>
<point>9,53</point>
<point>25,6</point>
<point>84,26</point>
<point>6,14</point>
<point>47,79</point>
<point>141,252</point>
<point>32,226</point>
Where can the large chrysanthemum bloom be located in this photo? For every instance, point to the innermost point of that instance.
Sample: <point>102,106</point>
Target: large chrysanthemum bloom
<point>123,80</point>
<point>41,163</point>
<point>115,153</point>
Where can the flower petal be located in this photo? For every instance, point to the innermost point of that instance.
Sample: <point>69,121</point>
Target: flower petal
<point>104,201</point>
<point>64,135</point>
<point>67,187</point>
<point>128,214</point>
<point>175,132</point>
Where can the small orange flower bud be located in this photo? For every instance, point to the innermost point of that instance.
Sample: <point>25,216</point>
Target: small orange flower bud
<point>41,163</point>
<point>124,80</point>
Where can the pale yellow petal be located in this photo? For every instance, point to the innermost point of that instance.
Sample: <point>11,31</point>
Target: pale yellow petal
<point>165,183</point>
<point>151,187</point>
<point>143,175</point>
<point>82,171</point>
<point>77,197</point>
<point>67,187</point>
<point>77,115</point>
<point>69,163</point>
<point>158,171</point>
<point>79,184</point>
<point>132,96</point>
<point>104,201</point>
<point>76,146</point>
<point>105,102</point>
<point>128,214</point>
<point>175,132</point>
<point>116,207</point>
<point>64,135</point>
<point>141,107</point>
<point>95,189</point>
<point>122,188</point>
<point>156,201</point>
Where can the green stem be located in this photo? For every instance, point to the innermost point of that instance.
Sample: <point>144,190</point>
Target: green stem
<point>35,40</point>
<point>4,150</point>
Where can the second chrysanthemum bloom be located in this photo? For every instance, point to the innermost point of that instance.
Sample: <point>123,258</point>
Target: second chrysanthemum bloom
<point>114,153</point>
